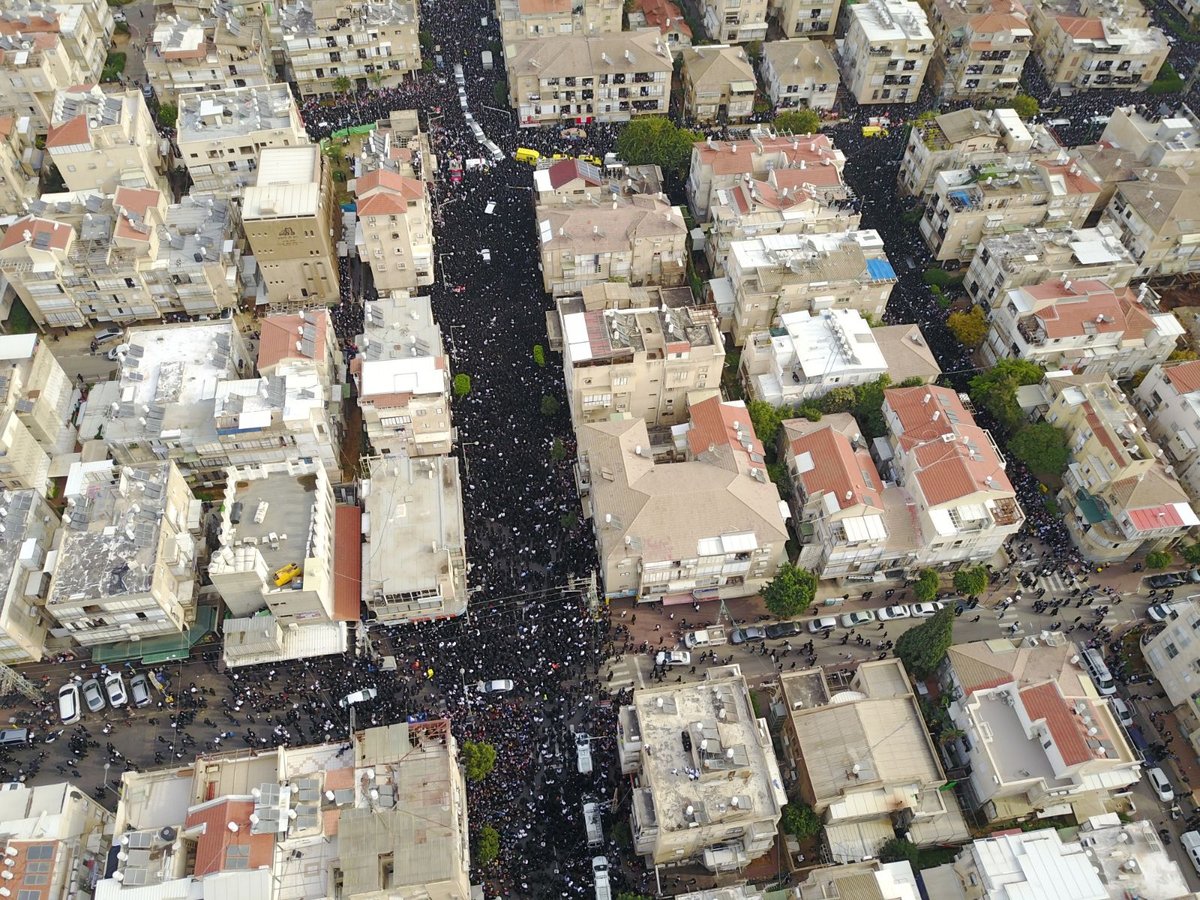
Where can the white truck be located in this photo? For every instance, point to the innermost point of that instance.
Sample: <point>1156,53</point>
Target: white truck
<point>600,875</point>
<point>595,829</point>
<point>583,753</point>
<point>707,637</point>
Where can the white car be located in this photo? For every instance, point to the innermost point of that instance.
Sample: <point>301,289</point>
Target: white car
<point>115,688</point>
<point>1160,785</point>
<point>925,610</point>
<point>1122,711</point>
<point>859,617</point>
<point>359,697</point>
<point>893,612</point>
<point>673,658</point>
<point>68,703</point>
<point>500,686</point>
<point>822,623</point>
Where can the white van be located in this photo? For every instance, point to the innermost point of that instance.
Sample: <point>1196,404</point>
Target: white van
<point>583,753</point>
<point>1160,785</point>
<point>708,637</point>
<point>591,820</point>
<point>1093,660</point>
<point>1190,840</point>
<point>1122,711</point>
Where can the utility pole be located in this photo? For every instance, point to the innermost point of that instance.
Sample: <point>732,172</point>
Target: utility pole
<point>11,680</point>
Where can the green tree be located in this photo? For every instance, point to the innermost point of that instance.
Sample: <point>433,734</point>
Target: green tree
<point>766,420</point>
<point>899,850</point>
<point>1168,81</point>
<point>487,846</point>
<point>868,407</point>
<point>334,152</point>
<point>1043,448</point>
<point>1158,559</point>
<point>342,84</point>
<point>839,400</point>
<point>798,121</point>
<point>478,759</point>
<point>923,648</point>
<point>972,582</point>
<point>168,115</point>
<point>926,588</point>
<point>462,384</point>
<point>912,381</point>
<point>558,450</point>
<point>935,277</point>
<point>550,406</point>
<point>790,592</point>
<point>1191,554</point>
<point>996,390</point>
<point>1025,106</point>
<point>969,328</point>
<point>659,141</point>
<point>539,355</point>
<point>801,820</point>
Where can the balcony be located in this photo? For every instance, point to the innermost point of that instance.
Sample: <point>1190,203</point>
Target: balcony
<point>1030,328</point>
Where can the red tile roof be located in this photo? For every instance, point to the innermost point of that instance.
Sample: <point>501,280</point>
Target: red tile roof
<point>567,170</point>
<point>134,201</point>
<point>393,182</point>
<point>1073,177</point>
<point>733,157</point>
<point>279,335</point>
<point>713,425</point>
<point>838,469</point>
<point>1185,376</point>
<point>60,235</point>
<point>69,133</point>
<point>212,845</point>
<point>1077,26</point>
<point>1045,703</point>
<point>664,15</point>
<point>1152,518</point>
<point>347,563</point>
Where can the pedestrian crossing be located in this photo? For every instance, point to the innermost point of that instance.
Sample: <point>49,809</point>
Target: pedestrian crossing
<point>625,672</point>
<point>1056,584</point>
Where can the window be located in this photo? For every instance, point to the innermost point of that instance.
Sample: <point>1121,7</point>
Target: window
<point>1172,651</point>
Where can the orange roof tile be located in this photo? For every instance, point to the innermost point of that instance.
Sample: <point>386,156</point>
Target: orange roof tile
<point>733,157</point>
<point>1077,26</point>
<point>838,469</point>
<point>68,134</point>
<point>279,335</point>
<point>713,426</point>
<point>6,125</point>
<point>1045,703</point>
<point>392,182</point>
<point>29,24</point>
<point>1073,177</point>
<point>60,235</point>
<point>213,845</point>
<point>135,202</point>
<point>347,563</point>
<point>1185,376</point>
<point>664,15</point>
<point>542,7</point>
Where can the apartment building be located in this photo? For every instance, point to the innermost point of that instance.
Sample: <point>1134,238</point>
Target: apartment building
<point>982,46</point>
<point>1173,654</point>
<point>667,17</point>
<point>641,241</point>
<point>722,165</point>
<point>20,164</point>
<point>787,201</point>
<point>219,49</point>
<point>799,73</point>
<point>572,181</point>
<point>886,51</point>
<point>315,823</point>
<point>1168,399</point>
<point>56,837</point>
<point>965,138</point>
<point>578,79</point>
<point>126,566</point>
<point>46,47</point>
<point>1007,261</point>
<point>30,527</point>
<point>735,21</point>
<point>403,378</point>
<point>961,501</point>
<point>1154,216</point>
<point>1096,44</point>
<point>723,817</point>
<point>288,215</point>
<point>806,18</point>
<point>99,141</point>
<point>850,523</point>
<point>121,258</point>
<point>395,230</point>
<point>709,527</point>
<point>1082,325</point>
<point>639,362</point>
<point>35,412</point>
<point>220,134</point>
<point>807,355</point>
<point>1107,858</point>
<point>275,516</point>
<point>894,880</point>
<point>778,274</point>
<point>718,83</point>
<point>414,559</point>
<point>1118,497</point>
<point>524,19</point>
<point>968,205</point>
<point>372,43</point>
<point>865,762</point>
<point>1035,736</point>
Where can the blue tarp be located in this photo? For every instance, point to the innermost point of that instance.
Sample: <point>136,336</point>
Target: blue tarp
<point>880,269</point>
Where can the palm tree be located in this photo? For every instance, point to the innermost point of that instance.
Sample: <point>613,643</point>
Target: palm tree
<point>341,84</point>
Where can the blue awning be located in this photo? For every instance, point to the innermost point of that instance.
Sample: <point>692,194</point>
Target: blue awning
<point>880,269</point>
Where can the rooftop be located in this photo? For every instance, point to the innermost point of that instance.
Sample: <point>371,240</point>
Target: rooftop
<point>300,336</point>
<point>607,336</point>
<point>833,344</point>
<point>307,18</point>
<point>24,532</point>
<point>578,55</point>
<point>726,771</point>
<point>832,462</point>
<point>764,150</point>
<point>288,184</point>
<point>608,227</point>
<point>835,256</point>
<point>78,110</point>
<point>892,20</point>
<point>235,112</point>
<point>112,527</point>
<point>803,57</point>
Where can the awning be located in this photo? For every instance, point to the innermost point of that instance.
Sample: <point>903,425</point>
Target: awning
<point>864,528</point>
<point>742,87</point>
<point>160,649</point>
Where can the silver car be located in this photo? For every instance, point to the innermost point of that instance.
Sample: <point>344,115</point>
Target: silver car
<point>92,695</point>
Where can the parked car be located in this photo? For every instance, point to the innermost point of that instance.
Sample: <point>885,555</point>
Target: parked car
<point>92,695</point>
<point>117,352</point>
<point>500,686</point>
<point>925,610</point>
<point>1160,612</point>
<point>893,612</point>
<point>1166,580</point>
<point>108,334</point>
<point>1122,711</point>
<point>673,658</point>
<point>705,637</point>
<point>139,690</point>
<point>856,618</point>
<point>749,634</point>
<point>68,703</point>
<point>783,630</point>
<point>368,693</point>
<point>114,686</point>
<point>822,623</point>
<point>1160,785</point>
